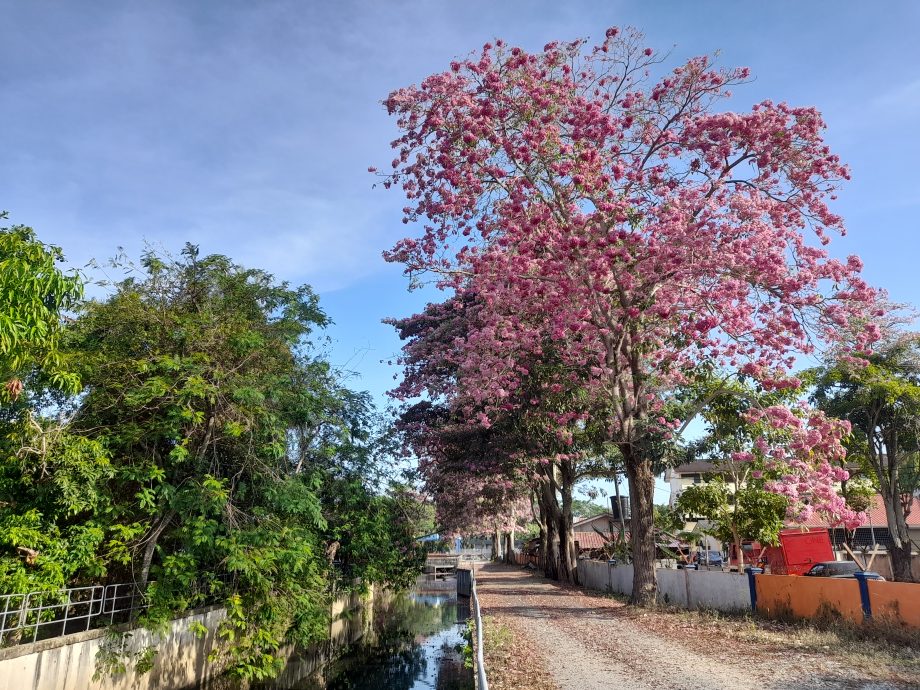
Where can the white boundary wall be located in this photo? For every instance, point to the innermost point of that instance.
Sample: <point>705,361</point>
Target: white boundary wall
<point>718,590</point>
<point>683,588</point>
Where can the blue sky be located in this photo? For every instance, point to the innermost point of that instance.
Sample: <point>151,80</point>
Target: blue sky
<point>247,127</point>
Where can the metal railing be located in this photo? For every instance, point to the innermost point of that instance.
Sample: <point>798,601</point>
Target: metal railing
<point>41,615</point>
<point>475,553</point>
<point>483,683</point>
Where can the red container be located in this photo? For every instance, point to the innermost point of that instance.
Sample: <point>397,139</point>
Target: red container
<point>798,550</point>
<point>751,552</point>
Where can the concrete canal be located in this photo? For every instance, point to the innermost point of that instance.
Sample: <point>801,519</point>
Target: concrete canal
<point>406,641</point>
<point>416,642</point>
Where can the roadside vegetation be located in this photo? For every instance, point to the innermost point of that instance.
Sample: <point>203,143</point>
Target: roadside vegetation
<point>183,431</point>
<point>511,660</point>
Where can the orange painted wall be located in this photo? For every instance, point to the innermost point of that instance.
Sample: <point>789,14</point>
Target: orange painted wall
<point>803,597</point>
<point>895,600</point>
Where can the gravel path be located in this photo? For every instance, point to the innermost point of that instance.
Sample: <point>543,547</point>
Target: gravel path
<point>586,641</point>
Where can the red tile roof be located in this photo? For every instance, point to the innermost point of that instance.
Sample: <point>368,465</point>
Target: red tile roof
<point>875,516</point>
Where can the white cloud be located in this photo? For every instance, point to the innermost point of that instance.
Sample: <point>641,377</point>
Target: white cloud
<point>900,101</point>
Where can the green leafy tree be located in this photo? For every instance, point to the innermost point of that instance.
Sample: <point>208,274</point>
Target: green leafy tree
<point>881,400</point>
<point>48,477</point>
<point>735,516</point>
<point>582,508</point>
<point>668,519</point>
<point>734,500</point>
<point>211,456</point>
<point>238,462</point>
<point>34,294</point>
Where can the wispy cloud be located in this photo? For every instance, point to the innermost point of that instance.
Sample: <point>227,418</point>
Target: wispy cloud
<point>903,100</point>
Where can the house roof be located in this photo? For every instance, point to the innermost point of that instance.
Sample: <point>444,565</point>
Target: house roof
<point>875,516</point>
<point>582,521</point>
<point>591,540</point>
<point>704,467</point>
<point>696,467</point>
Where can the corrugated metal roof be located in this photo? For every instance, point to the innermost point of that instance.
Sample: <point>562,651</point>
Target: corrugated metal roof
<point>591,540</point>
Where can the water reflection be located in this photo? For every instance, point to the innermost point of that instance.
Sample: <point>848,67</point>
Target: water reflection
<point>407,641</point>
<point>416,642</point>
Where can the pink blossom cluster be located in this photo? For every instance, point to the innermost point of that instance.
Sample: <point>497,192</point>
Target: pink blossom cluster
<point>804,453</point>
<point>623,227</point>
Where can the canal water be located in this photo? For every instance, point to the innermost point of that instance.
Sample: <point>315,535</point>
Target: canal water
<point>416,642</point>
<point>405,641</point>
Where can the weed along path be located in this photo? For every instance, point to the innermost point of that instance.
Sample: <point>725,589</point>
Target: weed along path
<point>541,635</point>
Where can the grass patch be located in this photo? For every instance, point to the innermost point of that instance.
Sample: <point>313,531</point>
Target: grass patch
<point>497,640</point>
<point>511,662</point>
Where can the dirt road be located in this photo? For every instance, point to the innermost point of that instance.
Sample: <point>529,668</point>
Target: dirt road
<point>553,636</point>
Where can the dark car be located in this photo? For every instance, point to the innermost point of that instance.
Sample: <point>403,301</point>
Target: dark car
<point>839,569</point>
<point>708,558</point>
<point>868,574</point>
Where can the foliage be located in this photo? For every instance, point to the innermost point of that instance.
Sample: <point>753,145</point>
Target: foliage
<point>628,229</point>
<point>210,457</point>
<point>48,478</point>
<point>736,515</point>
<point>880,399</point>
<point>376,534</point>
<point>668,519</point>
<point>587,508</point>
<point>36,293</point>
<point>762,440</point>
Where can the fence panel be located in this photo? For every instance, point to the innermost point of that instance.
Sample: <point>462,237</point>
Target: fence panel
<point>594,575</point>
<point>42,615</point>
<point>718,590</point>
<point>482,681</point>
<point>464,582</point>
<point>895,601</point>
<point>794,596</point>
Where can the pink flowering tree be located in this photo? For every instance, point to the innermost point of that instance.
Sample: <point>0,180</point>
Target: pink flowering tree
<point>626,222</point>
<point>520,445</point>
<point>774,463</point>
<point>803,456</point>
<point>476,487</point>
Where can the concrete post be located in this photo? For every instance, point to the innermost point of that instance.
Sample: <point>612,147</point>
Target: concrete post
<point>864,595</point>
<point>751,572</point>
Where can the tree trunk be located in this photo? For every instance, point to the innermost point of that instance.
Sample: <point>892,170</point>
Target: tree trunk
<point>900,563</point>
<point>736,539</point>
<point>900,547</point>
<point>151,546</point>
<point>641,527</point>
<point>550,510</point>
<point>616,489</point>
<point>496,545</point>
<point>536,507</point>
<point>509,547</point>
<point>568,558</point>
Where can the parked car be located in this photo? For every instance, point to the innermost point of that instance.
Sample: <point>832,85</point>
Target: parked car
<point>708,558</point>
<point>869,575</point>
<point>839,569</point>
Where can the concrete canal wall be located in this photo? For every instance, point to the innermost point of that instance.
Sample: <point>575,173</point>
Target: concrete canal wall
<point>69,662</point>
